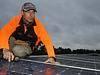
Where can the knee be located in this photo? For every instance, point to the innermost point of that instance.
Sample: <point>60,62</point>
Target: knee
<point>21,51</point>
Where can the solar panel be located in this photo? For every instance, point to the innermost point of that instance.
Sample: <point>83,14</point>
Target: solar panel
<point>71,64</point>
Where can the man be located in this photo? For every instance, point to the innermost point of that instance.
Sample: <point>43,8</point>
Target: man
<point>22,33</point>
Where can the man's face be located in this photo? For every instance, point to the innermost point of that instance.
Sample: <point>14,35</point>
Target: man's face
<point>28,15</point>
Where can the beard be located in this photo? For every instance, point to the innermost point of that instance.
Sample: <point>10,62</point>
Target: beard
<point>27,22</point>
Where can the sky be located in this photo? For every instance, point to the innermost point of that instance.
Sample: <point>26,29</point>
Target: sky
<point>70,23</point>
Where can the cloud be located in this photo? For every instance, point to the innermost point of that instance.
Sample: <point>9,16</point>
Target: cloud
<point>72,23</point>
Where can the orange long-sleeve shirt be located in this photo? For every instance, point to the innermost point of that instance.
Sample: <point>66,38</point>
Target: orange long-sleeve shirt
<point>40,31</point>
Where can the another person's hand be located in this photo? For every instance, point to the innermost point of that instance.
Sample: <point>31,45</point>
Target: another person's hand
<point>8,55</point>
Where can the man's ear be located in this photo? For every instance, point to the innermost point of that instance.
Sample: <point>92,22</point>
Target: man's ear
<point>22,12</point>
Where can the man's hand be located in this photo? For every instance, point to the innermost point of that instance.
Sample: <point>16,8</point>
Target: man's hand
<point>50,60</point>
<point>8,55</point>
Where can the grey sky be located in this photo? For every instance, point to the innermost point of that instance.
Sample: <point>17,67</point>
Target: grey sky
<point>72,23</point>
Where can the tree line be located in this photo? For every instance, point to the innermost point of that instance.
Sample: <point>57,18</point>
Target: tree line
<point>60,50</point>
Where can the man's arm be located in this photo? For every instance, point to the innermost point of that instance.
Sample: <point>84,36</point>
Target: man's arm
<point>45,38</point>
<point>6,32</point>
